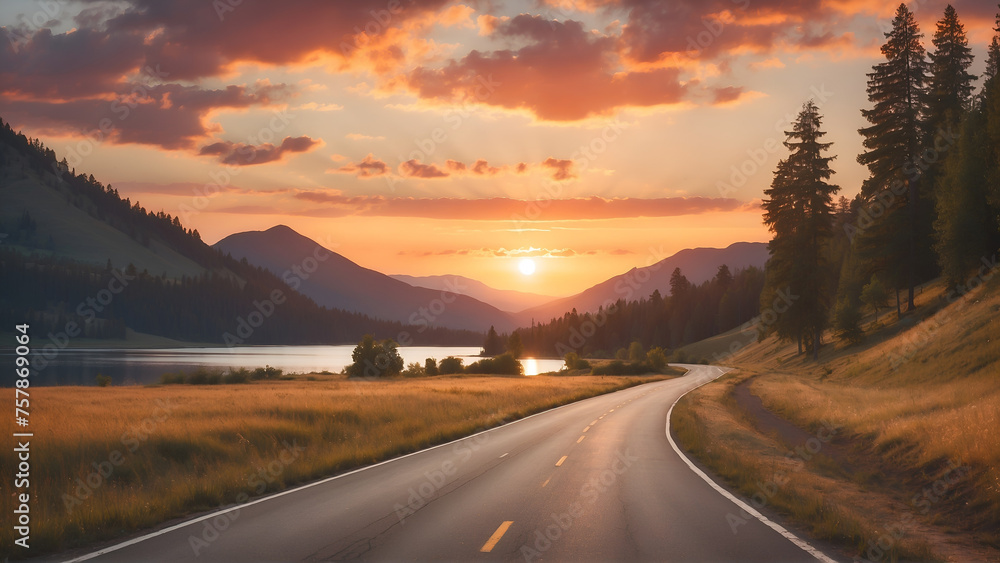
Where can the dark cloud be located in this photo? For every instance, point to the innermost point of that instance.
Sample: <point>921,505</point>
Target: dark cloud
<point>245,154</point>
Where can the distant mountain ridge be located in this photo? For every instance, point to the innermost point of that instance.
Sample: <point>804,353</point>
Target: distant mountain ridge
<point>79,260</point>
<point>503,299</point>
<point>697,264</point>
<point>340,283</point>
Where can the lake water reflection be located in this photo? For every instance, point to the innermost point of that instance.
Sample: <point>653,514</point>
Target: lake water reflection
<point>139,366</point>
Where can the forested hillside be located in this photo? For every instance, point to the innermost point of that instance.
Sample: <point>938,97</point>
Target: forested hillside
<point>225,302</point>
<point>690,313</point>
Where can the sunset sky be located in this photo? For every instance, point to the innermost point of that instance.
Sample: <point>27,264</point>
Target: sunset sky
<point>430,137</point>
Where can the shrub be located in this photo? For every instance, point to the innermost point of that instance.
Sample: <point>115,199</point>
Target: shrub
<point>430,366</point>
<point>172,378</point>
<point>504,364</point>
<point>450,365</point>
<point>414,369</point>
<point>375,359</point>
<point>573,361</point>
<point>266,372</point>
<point>240,375</point>
<point>657,359</point>
<point>619,367</point>
<point>103,380</point>
<point>847,321</point>
<point>204,376</point>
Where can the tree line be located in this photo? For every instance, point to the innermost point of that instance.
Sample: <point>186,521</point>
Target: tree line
<point>691,312</point>
<point>930,205</point>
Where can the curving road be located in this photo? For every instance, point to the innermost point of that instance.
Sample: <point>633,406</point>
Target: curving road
<point>597,480</point>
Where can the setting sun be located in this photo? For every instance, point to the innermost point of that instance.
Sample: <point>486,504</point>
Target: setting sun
<point>526,266</point>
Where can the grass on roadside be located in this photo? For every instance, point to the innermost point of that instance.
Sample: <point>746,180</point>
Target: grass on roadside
<point>713,428</point>
<point>168,451</point>
<point>917,400</point>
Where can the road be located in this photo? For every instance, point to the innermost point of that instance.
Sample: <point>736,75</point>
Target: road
<point>597,480</point>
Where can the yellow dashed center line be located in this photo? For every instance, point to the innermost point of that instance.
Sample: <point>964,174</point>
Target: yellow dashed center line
<point>492,542</point>
<point>581,439</point>
<point>611,411</point>
<point>587,428</point>
<point>561,460</point>
<point>592,423</point>
<point>546,482</point>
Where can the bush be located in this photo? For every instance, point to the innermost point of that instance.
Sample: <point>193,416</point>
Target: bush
<point>103,380</point>
<point>619,367</point>
<point>450,365</point>
<point>172,378</point>
<point>375,359</point>
<point>204,376</point>
<point>240,375</point>
<point>430,366</point>
<point>266,372</point>
<point>657,359</point>
<point>414,369</point>
<point>573,361</point>
<point>847,321</point>
<point>504,364</point>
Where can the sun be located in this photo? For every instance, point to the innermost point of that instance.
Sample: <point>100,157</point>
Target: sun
<point>527,266</point>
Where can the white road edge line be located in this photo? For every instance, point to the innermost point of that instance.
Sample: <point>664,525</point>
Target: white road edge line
<point>237,506</point>
<point>800,543</point>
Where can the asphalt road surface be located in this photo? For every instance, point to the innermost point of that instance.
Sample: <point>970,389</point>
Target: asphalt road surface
<point>597,480</point>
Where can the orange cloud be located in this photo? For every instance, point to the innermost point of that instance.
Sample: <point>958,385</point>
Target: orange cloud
<point>367,168</point>
<point>561,169</point>
<point>564,73</point>
<point>415,169</point>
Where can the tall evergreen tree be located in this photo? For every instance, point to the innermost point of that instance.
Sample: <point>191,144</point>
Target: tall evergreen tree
<point>897,88</point>
<point>950,88</point>
<point>966,227</point>
<point>949,97</point>
<point>494,344</point>
<point>991,114</point>
<point>800,212</point>
<point>993,55</point>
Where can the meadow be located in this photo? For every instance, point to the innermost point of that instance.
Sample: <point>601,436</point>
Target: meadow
<point>108,461</point>
<point>915,462</point>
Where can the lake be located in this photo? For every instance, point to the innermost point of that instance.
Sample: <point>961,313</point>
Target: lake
<point>140,366</point>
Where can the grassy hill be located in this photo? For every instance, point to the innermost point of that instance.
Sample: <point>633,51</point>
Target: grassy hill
<point>68,226</point>
<point>914,461</point>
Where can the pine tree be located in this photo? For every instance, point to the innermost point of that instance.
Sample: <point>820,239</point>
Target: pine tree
<point>990,106</point>
<point>950,88</point>
<point>494,344</point>
<point>966,227</point>
<point>993,55</point>
<point>799,211</point>
<point>897,88</point>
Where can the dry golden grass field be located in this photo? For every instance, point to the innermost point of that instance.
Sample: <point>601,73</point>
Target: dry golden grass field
<point>915,461</point>
<point>168,451</point>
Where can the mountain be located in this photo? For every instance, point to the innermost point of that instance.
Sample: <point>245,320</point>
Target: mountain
<point>337,282</point>
<point>78,260</point>
<point>503,299</point>
<point>697,264</point>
